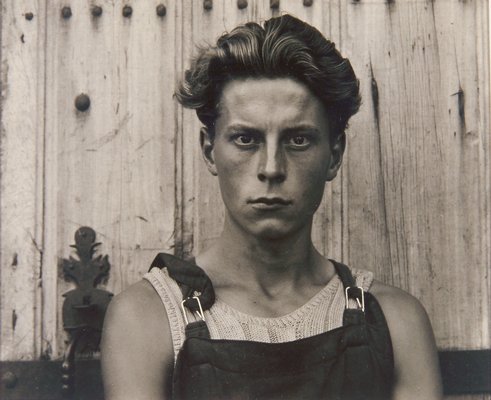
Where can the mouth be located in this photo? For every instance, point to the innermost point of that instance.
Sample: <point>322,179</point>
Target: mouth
<point>269,203</point>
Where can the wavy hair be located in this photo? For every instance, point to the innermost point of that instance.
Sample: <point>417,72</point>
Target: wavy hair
<point>284,47</point>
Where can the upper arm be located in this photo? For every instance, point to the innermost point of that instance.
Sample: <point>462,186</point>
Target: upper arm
<point>417,370</point>
<point>136,349</point>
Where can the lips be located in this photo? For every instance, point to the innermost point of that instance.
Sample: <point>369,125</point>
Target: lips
<point>269,203</point>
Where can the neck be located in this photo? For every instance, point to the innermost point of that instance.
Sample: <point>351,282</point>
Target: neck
<point>239,256</point>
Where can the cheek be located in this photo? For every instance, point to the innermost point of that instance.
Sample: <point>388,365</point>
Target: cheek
<point>311,170</point>
<point>313,193</point>
<point>232,173</point>
<point>232,163</point>
<point>311,181</point>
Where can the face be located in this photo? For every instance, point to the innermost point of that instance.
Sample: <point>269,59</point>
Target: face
<point>272,155</point>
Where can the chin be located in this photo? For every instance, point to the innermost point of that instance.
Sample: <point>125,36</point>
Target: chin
<point>273,231</point>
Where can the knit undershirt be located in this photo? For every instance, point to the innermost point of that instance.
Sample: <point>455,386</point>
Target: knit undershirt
<point>321,313</point>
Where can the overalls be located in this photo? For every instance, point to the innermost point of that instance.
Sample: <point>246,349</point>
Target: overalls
<point>352,362</point>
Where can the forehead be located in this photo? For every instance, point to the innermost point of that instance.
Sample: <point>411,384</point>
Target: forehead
<point>265,101</point>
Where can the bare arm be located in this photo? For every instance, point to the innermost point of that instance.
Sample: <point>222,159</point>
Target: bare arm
<point>417,370</point>
<point>137,355</point>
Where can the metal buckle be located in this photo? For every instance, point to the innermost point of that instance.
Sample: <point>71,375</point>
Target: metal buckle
<point>360,305</point>
<point>200,313</point>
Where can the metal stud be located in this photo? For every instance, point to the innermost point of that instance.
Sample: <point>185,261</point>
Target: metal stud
<point>274,4</point>
<point>241,4</point>
<point>207,4</point>
<point>127,11</point>
<point>66,12</point>
<point>82,102</point>
<point>308,3</point>
<point>161,10</point>
<point>29,16</point>
<point>96,11</point>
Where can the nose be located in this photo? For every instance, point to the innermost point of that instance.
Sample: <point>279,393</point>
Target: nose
<point>272,164</point>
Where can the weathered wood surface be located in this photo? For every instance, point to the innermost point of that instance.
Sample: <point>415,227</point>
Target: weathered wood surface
<point>115,163</point>
<point>419,174</point>
<point>111,167</point>
<point>412,202</point>
<point>21,178</point>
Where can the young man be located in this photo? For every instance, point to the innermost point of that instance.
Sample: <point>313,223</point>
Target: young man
<point>275,102</point>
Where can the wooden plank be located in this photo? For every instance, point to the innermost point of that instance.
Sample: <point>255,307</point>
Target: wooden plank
<point>364,235</point>
<point>329,224</point>
<point>184,191</point>
<point>418,207</point>
<point>112,167</point>
<point>21,177</point>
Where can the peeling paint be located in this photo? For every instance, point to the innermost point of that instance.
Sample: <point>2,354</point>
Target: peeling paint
<point>38,248</point>
<point>375,97</point>
<point>461,102</point>
<point>461,105</point>
<point>14,319</point>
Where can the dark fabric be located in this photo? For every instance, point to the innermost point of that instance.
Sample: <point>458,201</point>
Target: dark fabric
<point>353,362</point>
<point>344,274</point>
<point>197,329</point>
<point>190,278</point>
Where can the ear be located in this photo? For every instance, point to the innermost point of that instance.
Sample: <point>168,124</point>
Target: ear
<point>207,150</point>
<point>337,151</point>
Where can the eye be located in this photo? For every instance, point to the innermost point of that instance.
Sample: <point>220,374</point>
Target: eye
<point>299,141</point>
<point>245,140</point>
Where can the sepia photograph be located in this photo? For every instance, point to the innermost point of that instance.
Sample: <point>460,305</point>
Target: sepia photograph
<point>245,199</point>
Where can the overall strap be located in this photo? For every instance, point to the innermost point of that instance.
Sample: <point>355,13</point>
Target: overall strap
<point>351,316</point>
<point>192,280</point>
<point>344,274</point>
<point>196,287</point>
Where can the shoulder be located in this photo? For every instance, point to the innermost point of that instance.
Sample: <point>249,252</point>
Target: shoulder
<point>415,357</point>
<point>136,347</point>
<point>139,298</point>
<point>405,315</point>
<point>395,300</point>
<point>137,309</point>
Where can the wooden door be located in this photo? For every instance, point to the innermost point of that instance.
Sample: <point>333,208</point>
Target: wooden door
<point>412,201</point>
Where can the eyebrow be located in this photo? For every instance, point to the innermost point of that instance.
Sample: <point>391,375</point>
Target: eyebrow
<point>287,131</point>
<point>302,129</point>
<point>243,128</point>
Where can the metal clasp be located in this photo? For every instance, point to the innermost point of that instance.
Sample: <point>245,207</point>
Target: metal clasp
<point>360,304</point>
<point>200,313</point>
